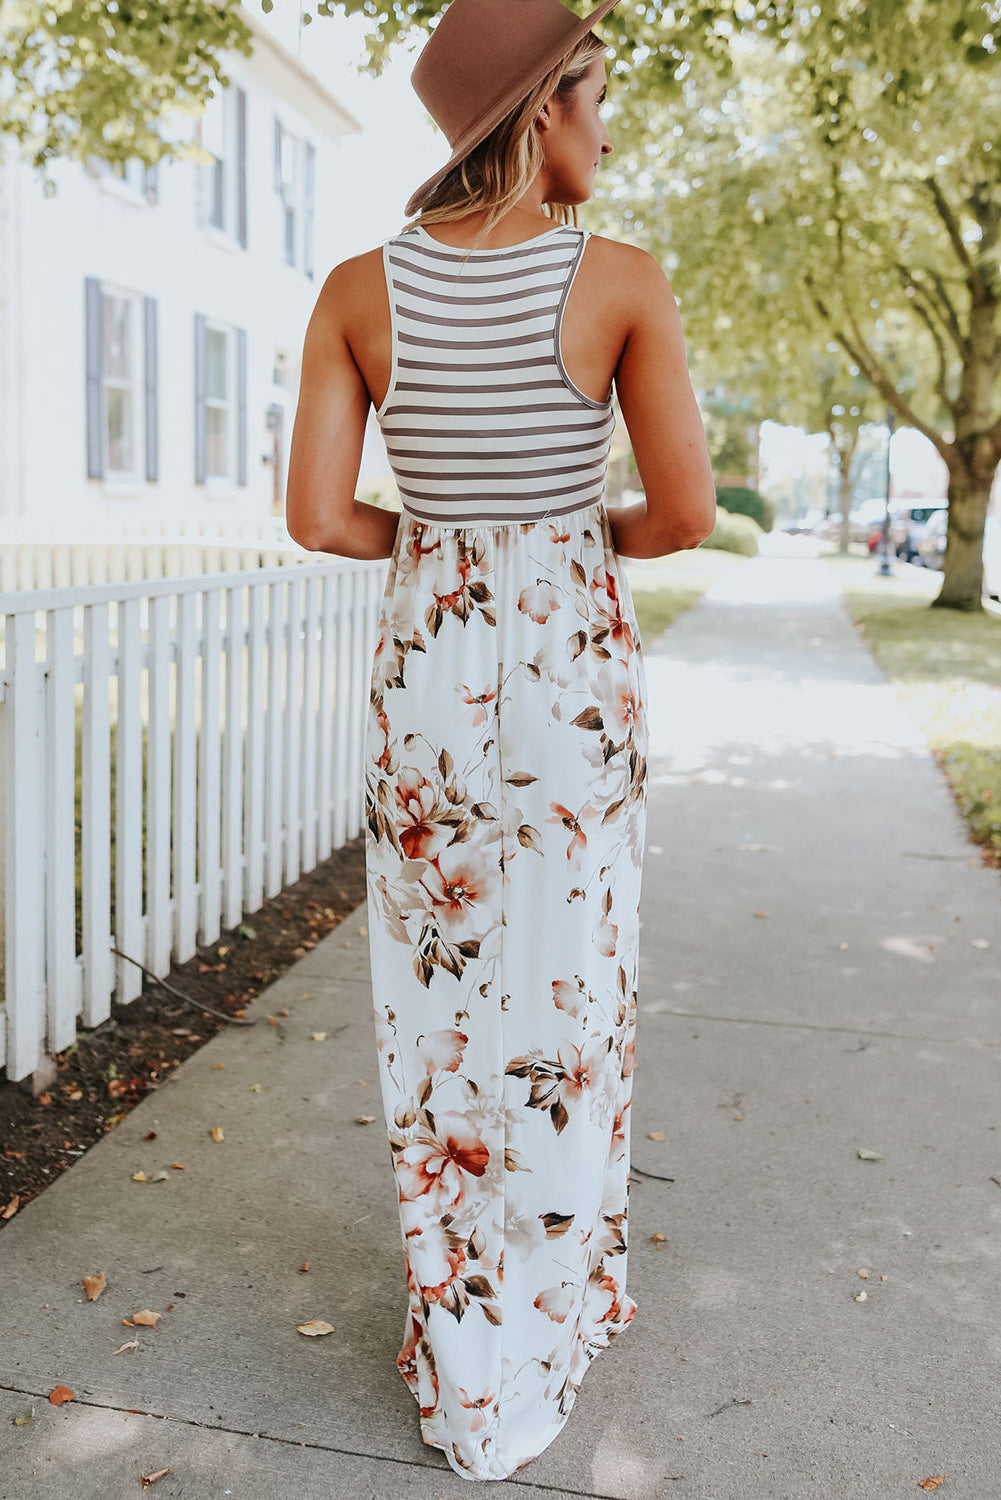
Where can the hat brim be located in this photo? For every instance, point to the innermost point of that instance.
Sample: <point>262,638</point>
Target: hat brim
<point>504,105</point>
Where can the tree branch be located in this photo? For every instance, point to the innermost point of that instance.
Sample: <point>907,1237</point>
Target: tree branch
<point>951,223</point>
<point>876,374</point>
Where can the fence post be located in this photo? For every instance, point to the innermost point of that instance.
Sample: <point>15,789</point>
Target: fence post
<point>22,857</point>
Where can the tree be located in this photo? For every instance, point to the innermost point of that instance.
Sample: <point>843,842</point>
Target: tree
<point>79,78</point>
<point>842,187</point>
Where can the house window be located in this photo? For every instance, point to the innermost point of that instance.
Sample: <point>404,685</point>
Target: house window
<point>133,174</point>
<point>220,402</point>
<point>295,170</point>
<point>121,357</point>
<point>120,381</point>
<point>223,134</point>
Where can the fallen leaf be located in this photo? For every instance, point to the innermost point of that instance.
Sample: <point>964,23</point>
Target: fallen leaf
<point>314,1327</point>
<point>138,1176</point>
<point>656,1135</point>
<point>217,1133</point>
<point>94,1286</point>
<point>304,1266</point>
<point>217,1065</point>
<point>864,1155</point>
<point>319,1036</point>
<point>59,1394</point>
<point>132,1344</point>
<point>364,1119</point>
<point>145,1317</point>
<point>363,932</point>
<point>23,1421</point>
<point>148,1479</point>
<point>761,914</point>
<point>861,1296</point>
<point>931,1484</point>
<point>12,1207</point>
<point>178,1166</point>
<point>864,1274</point>
<point>979,943</point>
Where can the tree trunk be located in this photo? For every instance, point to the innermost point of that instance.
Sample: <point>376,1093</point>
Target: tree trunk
<point>844,451</point>
<point>963,564</point>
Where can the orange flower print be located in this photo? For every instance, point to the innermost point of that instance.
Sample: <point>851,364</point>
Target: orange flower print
<point>436,1163</point>
<point>620,708</point>
<point>441,1051</point>
<point>477,1405</point>
<point>461,883</point>
<point>605,935</point>
<point>480,700</point>
<point>561,814</point>
<point>421,834</point>
<point>539,600</point>
<point>569,997</point>
<point>557,1302</point>
<point>605,593</point>
<point>582,1068</point>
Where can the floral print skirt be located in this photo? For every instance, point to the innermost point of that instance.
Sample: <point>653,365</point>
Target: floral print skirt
<point>505,817</point>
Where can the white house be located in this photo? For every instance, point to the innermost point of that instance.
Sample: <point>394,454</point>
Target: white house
<point>151,321</point>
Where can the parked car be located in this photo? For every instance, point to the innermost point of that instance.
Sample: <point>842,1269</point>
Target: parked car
<point>906,523</point>
<point>930,540</point>
<point>931,549</point>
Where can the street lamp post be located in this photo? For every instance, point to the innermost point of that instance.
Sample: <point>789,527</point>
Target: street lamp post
<point>885,569</point>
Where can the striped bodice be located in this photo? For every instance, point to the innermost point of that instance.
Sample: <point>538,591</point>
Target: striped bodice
<point>481,420</point>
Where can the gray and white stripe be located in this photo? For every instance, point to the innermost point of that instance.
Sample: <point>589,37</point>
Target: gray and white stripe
<point>481,420</point>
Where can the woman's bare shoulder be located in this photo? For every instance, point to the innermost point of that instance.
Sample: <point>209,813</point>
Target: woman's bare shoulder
<point>625,260</point>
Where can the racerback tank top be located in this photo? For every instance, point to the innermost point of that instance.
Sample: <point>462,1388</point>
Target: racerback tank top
<point>481,420</point>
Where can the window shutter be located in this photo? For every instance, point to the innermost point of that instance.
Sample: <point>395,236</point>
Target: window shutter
<point>241,166</point>
<point>200,426</point>
<point>241,406</point>
<point>278,156</point>
<point>94,316</point>
<point>307,215</point>
<point>150,370</point>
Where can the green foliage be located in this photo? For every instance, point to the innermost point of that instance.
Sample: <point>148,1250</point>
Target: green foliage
<point>741,501</point>
<point>734,533</point>
<point>80,78</point>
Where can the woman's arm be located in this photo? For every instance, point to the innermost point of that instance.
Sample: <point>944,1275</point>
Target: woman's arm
<point>664,422</point>
<point>321,511</point>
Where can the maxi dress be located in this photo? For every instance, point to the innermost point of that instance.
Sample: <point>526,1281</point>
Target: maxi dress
<point>505,766</point>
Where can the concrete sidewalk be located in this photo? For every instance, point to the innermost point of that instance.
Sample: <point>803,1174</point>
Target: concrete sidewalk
<point>809,987</point>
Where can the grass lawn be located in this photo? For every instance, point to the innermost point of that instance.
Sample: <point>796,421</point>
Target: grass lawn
<point>946,669</point>
<point>664,587</point>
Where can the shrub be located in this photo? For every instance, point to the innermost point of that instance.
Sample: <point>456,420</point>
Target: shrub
<point>734,533</point>
<point>740,501</point>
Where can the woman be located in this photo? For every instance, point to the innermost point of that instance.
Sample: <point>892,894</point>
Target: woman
<point>506,743</point>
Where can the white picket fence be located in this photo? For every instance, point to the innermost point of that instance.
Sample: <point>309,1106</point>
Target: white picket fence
<point>173,752</point>
<point>70,554</point>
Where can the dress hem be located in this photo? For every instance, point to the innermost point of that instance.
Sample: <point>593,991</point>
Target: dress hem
<point>594,1346</point>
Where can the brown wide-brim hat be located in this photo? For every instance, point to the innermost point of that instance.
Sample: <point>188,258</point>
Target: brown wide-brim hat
<point>481,60</point>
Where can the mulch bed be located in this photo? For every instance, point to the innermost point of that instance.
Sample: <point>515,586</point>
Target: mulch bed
<point>111,1069</point>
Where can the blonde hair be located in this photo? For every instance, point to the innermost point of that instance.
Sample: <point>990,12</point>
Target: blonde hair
<point>498,171</point>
